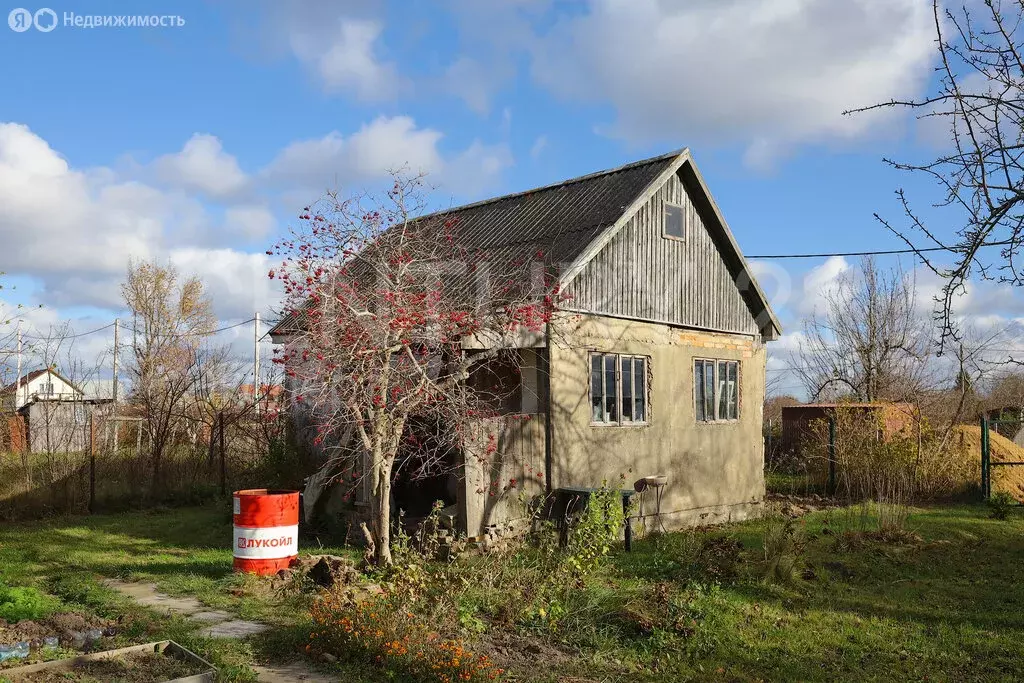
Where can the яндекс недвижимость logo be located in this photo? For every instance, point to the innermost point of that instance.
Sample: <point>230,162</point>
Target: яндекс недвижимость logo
<point>21,20</point>
<point>45,20</point>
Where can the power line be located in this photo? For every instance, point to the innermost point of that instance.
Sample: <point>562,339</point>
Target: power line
<point>886,252</point>
<point>130,327</point>
<point>70,336</point>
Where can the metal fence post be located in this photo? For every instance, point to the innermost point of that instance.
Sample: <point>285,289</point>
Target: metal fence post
<point>223,456</point>
<point>986,471</point>
<point>831,456</point>
<point>92,464</point>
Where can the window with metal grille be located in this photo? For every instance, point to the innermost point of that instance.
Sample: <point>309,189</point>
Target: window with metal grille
<point>716,388</point>
<point>618,389</point>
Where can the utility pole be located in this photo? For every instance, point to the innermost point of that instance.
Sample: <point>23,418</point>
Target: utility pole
<point>92,463</point>
<point>114,389</point>
<point>17,387</point>
<point>256,362</point>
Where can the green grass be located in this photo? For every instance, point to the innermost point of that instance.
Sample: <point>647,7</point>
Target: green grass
<point>184,551</point>
<point>946,607</point>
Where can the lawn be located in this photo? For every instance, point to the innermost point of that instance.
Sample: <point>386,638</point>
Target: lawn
<point>942,603</point>
<point>185,551</point>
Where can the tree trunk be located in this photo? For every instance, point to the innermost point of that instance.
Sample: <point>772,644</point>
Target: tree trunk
<point>381,522</point>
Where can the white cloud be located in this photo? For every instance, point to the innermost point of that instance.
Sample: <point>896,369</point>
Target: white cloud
<point>347,58</point>
<point>472,81</point>
<point>820,283</point>
<point>383,145</point>
<point>74,231</point>
<point>236,281</point>
<point>203,166</point>
<point>476,169</point>
<point>251,221</point>
<point>386,144</point>
<point>768,73</point>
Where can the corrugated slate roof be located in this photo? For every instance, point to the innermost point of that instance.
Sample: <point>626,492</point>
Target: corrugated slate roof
<point>561,219</point>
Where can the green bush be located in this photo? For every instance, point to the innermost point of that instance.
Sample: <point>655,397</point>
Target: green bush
<point>999,505</point>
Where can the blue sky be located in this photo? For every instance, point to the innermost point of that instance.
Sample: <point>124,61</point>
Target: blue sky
<point>198,143</point>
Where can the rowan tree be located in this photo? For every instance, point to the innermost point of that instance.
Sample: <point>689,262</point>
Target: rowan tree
<point>384,305</point>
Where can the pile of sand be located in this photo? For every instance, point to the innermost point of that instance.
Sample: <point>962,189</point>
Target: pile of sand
<point>967,443</point>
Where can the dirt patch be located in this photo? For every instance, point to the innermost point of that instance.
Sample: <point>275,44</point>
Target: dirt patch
<point>74,629</point>
<point>520,655</point>
<point>798,506</point>
<point>142,667</point>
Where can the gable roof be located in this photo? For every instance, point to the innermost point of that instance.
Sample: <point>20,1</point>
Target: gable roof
<point>572,220</point>
<point>36,374</point>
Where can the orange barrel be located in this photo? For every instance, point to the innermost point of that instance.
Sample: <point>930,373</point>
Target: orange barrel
<point>266,530</point>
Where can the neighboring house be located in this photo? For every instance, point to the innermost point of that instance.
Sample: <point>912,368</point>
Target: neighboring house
<point>799,422</point>
<point>655,364</point>
<point>54,426</point>
<point>46,384</point>
<point>54,411</point>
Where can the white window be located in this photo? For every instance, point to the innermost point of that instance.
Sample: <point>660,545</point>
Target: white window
<point>716,386</point>
<point>618,389</point>
<point>46,389</point>
<point>675,221</point>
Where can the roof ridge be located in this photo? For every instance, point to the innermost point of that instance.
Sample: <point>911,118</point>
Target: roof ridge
<point>551,186</point>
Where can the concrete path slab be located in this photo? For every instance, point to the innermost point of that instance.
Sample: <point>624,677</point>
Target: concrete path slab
<point>211,616</point>
<point>147,595</point>
<point>221,625</point>
<point>236,628</point>
<point>291,672</point>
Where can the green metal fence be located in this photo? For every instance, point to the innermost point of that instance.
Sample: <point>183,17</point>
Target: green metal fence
<point>986,457</point>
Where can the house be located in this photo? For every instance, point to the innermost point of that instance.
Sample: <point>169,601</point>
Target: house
<point>654,364</point>
<point>798,422</point>
<point>51,413</point>
<point>45,383</point>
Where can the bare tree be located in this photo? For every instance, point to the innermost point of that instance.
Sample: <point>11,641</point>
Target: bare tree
<point>979,99</point>
<point>170,319</point>
<point>868,343</point>
<point>384,308</point>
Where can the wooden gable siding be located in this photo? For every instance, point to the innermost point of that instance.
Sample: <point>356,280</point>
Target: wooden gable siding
<point>643,275</point>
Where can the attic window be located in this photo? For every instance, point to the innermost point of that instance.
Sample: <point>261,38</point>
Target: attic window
<point>675,225</point>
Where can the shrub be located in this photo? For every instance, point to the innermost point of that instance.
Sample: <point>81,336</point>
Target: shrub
<point>783,545</point>
<point>381,631</point>
<point>999,505</point>
<point>17,603</point>
<point>917,462</point>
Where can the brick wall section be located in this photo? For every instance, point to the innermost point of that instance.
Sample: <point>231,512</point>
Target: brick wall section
<point>717,340</point>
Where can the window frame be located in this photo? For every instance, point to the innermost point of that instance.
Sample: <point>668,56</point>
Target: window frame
<point>619,420</point>
<point>720,387</point>
<point>664,227</point>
